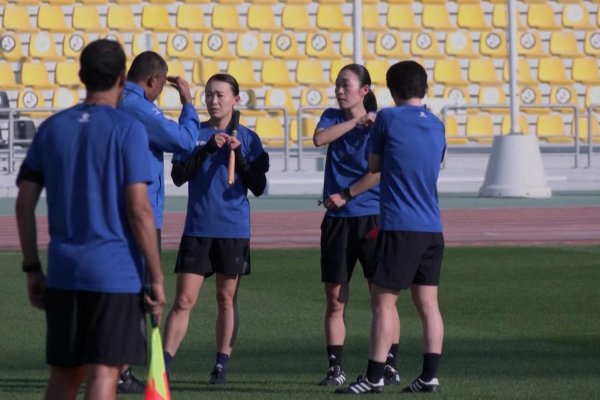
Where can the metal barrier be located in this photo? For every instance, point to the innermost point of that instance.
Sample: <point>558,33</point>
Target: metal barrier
<point>590,110</point>
<point>300,144</point>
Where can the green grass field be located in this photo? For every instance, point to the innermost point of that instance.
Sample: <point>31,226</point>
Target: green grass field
<point>521,323</point>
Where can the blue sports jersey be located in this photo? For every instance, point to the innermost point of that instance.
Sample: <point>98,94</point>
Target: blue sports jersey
<point>411,143</point>
<point>165,136</point>
<point>215,209</point>
<point>87,155</point>
<point>347,161</point>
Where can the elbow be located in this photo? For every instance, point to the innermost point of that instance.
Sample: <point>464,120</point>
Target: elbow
<point>317,141</point>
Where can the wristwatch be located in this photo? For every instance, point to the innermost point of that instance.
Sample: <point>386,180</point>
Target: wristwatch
<point>346,195</point>
<point>35,267</point>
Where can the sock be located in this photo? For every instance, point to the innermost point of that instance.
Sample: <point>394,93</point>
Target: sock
<point>168,359</point>
<point>375,371</point>
<point>222,360</point>
<point>431,362</point>
<point>334,354</point>
<point>392,354</point>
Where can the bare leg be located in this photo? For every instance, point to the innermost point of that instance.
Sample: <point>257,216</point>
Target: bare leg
<point>101,381</point>
<point>225,325</point>
<point>425,299</point>
<point>64,383</point>
<point>335,327</point>
<point>386,323</point>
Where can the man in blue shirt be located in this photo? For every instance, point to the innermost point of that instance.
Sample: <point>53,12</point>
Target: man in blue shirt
<point>93,162</point>
<point>407,147</point>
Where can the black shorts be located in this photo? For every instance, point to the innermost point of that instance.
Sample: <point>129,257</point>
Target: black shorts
<point>343,242</point>
<point>406,258</point>
<point>205,256</point>
<point>94,328</point>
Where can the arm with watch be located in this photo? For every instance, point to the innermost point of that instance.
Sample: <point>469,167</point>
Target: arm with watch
<point>338,200</point>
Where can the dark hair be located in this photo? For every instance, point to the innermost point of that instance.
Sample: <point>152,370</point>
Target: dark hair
<point>145,65</point>
<point>364,78</point>
<point>235,88</point>
<point>407,79</point>
<point>100,65</point>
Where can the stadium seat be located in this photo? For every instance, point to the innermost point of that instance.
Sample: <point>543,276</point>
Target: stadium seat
<point>263,1</point>
<point>425,45</point>
<point>592,44</point>
<point>564,95</point>
<point>161,1</point>
<point>279,97</point>
<point>531,95</point>
<point>314,97</point>
<point>347,46</point>
<point>401,17</point>
<point>459,44</point>
<point>447,72</point>
<point>552,70</point>
<point>310,72</point>
<point>584,129</point>
<point>231,1</point>
<point>35,75</point>
<point>592,96</point>
<point>248,100</point>
<point>64,98</point>
<point>284,45</point>
<point>530,45</point>
<point>145,41</point>
<point>262,19</point>
<point>52,18</point>
<point>275,72</point>
<point>243,71</point>
<point>29,98</point>
<point>226,17</point>
<point>270,130</point>
<point>335,68</point>
<point>175,68</point>
<point>470,16</point>
<point>389,44</point>
<point>575,16</point>
<point>67,74</point>
<point>7,77</point>
<point>180,45</point>
<point>87,19</point>
<point>453,136</point>
<point>42,46</point>
<point>585,70</point>
<point>203,70</point>
<point>541,16</point>
<point>120,18</point>
<point>295,18</point>
<point>551,129</point>
<point>23,2</point>
<point>500,18</point>
<point>10,47</point>
<point>16,18</point>
<point>156,18</point>
<point>308,126</point>
<point>564,44</point>
<point>214,45</point>
<point>378,69</point>
<point>492,95</point>
<point>190,17</point>
<point>437,18</point>
<point>370,19</point>
<point>320,45</point>
<point>479,128</point>
<point>383,96</point>
<point>523,72</point>
<point>522,125</point>
<point>169,102</point>
<point>330,17</point>
<point>73,43</point>
<point>483,72</point>
<point>457,96</point>
<point>128,1</point>
<point>400,2</point>
<point>250,45</point>
<point>493,44</point>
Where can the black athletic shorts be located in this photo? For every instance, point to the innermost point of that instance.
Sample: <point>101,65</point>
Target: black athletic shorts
<point>205,256</point>
<point>94,328</point>
<point>343,242</point>
<point>406,258</point>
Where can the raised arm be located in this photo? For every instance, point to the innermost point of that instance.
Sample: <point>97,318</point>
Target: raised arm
<point>323,136</point>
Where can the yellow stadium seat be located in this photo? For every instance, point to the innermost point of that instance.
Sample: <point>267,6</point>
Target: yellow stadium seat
<point>552,70</point>
<point>400,1</point>
<point>459,2</point>
<point>73,43</point>
<point>87,19</point>
<point>493,44</point>
<point>29,98</point>
<point>243,71</point>
<point>226,18</point>
<point>592,96</point>
<point>492,95</point>
<point>67,74</point>
<point>458,96</point>
<point>564,95</point>
<point>401,17</point>
<point>564,44</point>
<point>248,100</point>
<point>190,17</point>
<point>160,1</point>
<point>296,1</point>
<point>231,1</point>
<point>145,41</point>
<point>483,72</point>
<point>459,44</point>
<point>169,98</point>
<point>22,2</point>
<point>436,17</point>
<point>60,2</point>
<point>531,95</point>
<point>383,96</point>
<point>470,16</point>
<point>250,45</point>
<point>585,70</point>
<point>263,1</point>
<point>214,45</point>
<point>530,44</point>
<point>347,46</point>
<point>120,18</point>
<point>16,18</point>
<point>180,45</point>
<point>270,130</point>
<point>308,129</point>
<point>500,18</point>
<point>541,16</point>
<point>295,18</point>
<point>128,1</point>
<point>320,45</point>
<point>575,16</point>
<point>389,44</point>
<point>453,136</point>
<point>523,72</point>
<point>447,72</point>
<point>35,75</point>
<point>378,69</point>
<point>370,19</point>
<point>592,44</point>
<point>522,125</point>
<point>425,44</point>
<point>480,128</point>
<point>10,48</point>
<point>42,46</point>
<point>279,97</point>
<point>156,18</point>
<point>551,128</point>
<point>7,77</point>
<point>284,45</point>
<point>330,17</point>
<point>262,18</point>
<point>433,1</point>
<point>335,68</point>
<point>275,72</point>
<point>203,70</point>
<point>64,98</point>
<point>584,129</point>
<point>175,68</point>
<point>52,18</point>
<point>310,72</point>
<point>314,97</point>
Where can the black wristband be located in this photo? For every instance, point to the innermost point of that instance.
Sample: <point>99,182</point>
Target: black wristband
<point>346,195</point>
<point>35,267</point>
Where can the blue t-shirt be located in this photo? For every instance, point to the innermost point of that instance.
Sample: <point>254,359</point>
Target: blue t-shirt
<point>87,155</point>
<point>348,161</point>
<point>164,134</point>
<point>411,143</point>
<point>215,209</point>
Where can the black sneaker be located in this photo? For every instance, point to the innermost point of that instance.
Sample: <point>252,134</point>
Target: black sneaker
<point>362,386</point>
<point>128,383</point>
<point>420,386</point>
<point>217,376</point>
<point>335,376</point>
<point>390,376</point>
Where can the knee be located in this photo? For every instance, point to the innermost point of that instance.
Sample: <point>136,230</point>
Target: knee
<point>335,304</point>
<point>224,300</point>
<point>184,303</point>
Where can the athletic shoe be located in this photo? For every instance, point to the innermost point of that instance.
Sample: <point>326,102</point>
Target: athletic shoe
<point>128,383</point>
<point>420,386</point>
<point>335,376</point>
<point>390,376</point>
<point>217,376</point>
<point>362,386</point>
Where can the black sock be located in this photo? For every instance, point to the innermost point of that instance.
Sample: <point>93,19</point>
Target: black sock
<point>392,354</point>
<point>334,355</point>
<point>431,362</point>
<point>375,371</point>
<point>168,358</point>
<point>222,360</point>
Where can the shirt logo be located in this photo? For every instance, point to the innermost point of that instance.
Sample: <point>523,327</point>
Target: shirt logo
<point>156,111</point>
<point>85,117</point>
<point>422,114</point>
